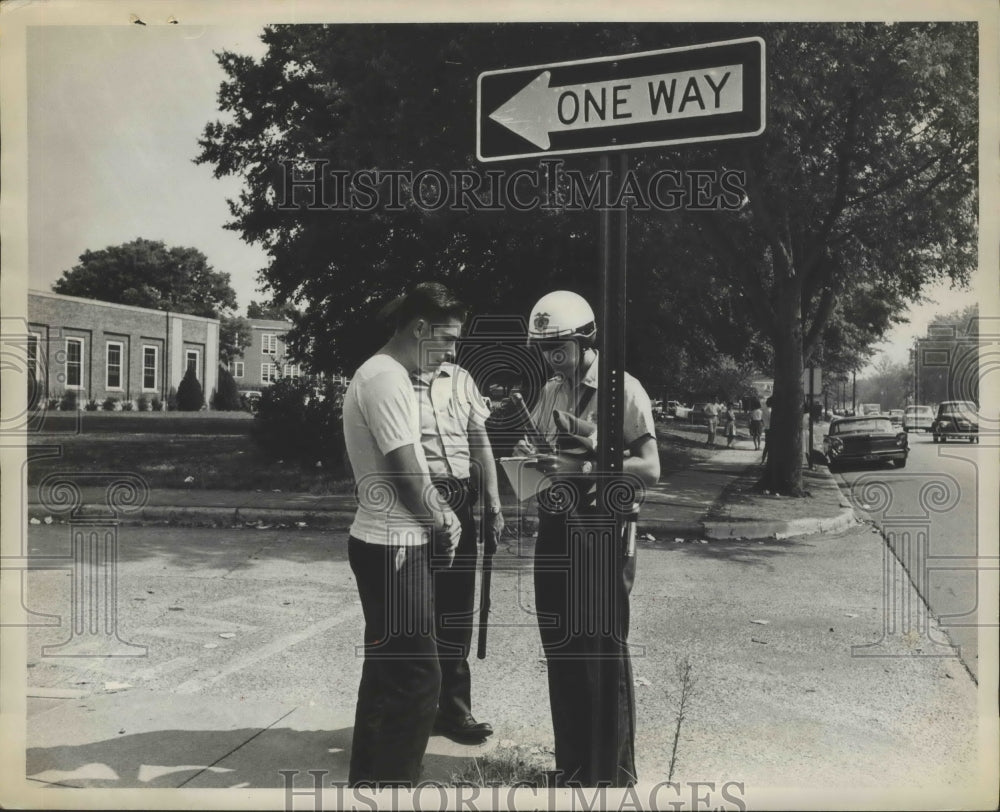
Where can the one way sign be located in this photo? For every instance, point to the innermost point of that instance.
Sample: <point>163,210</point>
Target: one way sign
<point>679,95</point>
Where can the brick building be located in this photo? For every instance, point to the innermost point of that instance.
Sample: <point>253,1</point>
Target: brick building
<point>946,363</point>
<point>101,350</point>
<point>265,359</point>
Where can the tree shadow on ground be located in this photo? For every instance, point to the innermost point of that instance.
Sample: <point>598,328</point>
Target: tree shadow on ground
<point>755,553</point>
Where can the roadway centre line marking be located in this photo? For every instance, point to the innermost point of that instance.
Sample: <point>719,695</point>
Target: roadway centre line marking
<point>274,647</point>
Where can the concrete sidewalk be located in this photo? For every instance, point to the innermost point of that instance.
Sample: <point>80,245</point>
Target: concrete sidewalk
<point>710,499</point>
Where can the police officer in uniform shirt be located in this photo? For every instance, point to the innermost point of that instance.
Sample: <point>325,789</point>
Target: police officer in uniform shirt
<point>453,433</point>
<point>394,528</point>
<point>562,324</point>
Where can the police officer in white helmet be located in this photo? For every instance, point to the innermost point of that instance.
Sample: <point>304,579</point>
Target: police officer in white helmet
<point>563,326</point>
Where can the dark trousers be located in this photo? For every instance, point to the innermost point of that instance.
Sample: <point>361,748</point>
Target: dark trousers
<point>454,612</point>
<point>400,678</point>
<point>571,617</point>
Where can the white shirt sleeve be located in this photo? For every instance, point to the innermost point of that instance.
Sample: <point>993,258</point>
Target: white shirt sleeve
<point>388,403</point>
<point>638,413</point>
<point>472,401</point>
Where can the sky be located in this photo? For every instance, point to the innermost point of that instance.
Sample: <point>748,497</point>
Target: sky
<point>114,115</point>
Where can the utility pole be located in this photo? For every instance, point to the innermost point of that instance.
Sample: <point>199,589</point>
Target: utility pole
<point>854,391</point>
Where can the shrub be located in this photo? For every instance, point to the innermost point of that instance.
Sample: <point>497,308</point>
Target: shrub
<point>127,406</point>
<point>172,399</point>
<point>70,401</point>
<point>157,404</point>
<point>142,403</point>
<point>91,406</point>
<point>301,421</point>
<point>227,396</point>
<point>190,397</point>
<point>109,404</point>
<point>53,404</point>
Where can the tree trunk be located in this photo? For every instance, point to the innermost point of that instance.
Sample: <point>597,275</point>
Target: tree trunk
<point>783,471</point>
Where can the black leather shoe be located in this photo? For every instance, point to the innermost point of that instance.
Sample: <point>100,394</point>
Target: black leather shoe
<point>467,729</point>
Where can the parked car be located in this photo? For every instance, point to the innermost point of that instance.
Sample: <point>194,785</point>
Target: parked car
<point>677,409</point>
<point>918,417</point>
<point>956,419</point>
<point>896,416</point>
<point>870,408</point>
<point>658,411</point>
<point>864,440</point>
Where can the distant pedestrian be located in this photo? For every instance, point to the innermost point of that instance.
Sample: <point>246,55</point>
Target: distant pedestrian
<point>756,425</point>
<point>729,421</point>
<point>712,421</point>
<point>766,421</point>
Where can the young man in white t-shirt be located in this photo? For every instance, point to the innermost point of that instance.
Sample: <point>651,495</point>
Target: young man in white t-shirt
<point>397,529</point>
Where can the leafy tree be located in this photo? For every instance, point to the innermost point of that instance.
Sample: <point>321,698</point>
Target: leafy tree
<point>234,335</point>
<point>227,394</point>
<point>190,397</point>
<point>965,320</point>
<point>862,186</point>
<point>270,310</point>
<point>889,384</point>
<point>146,273</point>
<point>861,190</point>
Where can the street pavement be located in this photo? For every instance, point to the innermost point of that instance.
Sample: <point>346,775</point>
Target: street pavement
<point>805,685</point>
<point>930,521</point>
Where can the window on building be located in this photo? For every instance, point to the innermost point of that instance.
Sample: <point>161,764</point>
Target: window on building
<point>32,353</point>
<point>113,365</point>
<point>292,371</point>
<point>34,371</point>
<point>193,358</point>
<point>150,370</point>
<point>268,373</point>
<point>236,367</point>
<point>74,363</point>
<point>269,343</point>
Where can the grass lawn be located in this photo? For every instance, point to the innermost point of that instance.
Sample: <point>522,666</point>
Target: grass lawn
<point>229,459</point>
<point>221,461</point>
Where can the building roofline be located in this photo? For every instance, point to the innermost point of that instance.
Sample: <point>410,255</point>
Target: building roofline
<point>269,324</point>
<point>52,295</point>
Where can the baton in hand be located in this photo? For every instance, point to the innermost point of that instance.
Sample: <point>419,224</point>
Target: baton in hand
<point>489,547</point>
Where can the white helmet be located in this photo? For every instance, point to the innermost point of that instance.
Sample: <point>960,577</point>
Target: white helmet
<point>561,314</point>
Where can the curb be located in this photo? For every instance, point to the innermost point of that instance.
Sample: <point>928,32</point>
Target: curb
<point>225,516</point>
<point>780,529</point>
<point>339,520</point>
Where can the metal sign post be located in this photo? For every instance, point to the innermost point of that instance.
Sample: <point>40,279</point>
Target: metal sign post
<point>610,457</point>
